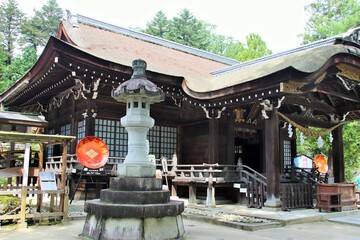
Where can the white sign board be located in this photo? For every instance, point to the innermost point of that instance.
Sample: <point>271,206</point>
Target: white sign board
<point>47,180</point>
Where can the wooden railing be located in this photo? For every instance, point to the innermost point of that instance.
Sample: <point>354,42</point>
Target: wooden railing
<point>255,187</point>
<point>206,172</point>
<point>296,195</point>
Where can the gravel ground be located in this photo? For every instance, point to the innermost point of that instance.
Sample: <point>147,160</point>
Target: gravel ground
<point>225,216</point>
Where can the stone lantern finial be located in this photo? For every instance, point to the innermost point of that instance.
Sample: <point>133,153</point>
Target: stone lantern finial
<point>139,68</point>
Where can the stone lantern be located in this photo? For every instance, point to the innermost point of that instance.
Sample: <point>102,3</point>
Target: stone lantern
<point>135,206</point>
<point>138,93</point>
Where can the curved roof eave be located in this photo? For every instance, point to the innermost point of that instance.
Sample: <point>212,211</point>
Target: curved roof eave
<point>22,83</point>
<point>308,61</point>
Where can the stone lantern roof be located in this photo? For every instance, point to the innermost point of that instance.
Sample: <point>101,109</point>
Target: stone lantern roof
<point>138,86</point>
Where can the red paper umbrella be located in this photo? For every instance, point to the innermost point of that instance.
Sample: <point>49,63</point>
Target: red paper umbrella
<point>92,152</point>
<point>321,163</point>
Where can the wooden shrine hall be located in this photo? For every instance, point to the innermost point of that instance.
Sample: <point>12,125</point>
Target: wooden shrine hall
<point>216,110</point>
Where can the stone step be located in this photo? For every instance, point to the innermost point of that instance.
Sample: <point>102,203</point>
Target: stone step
<point>135,184</point>
<point>135,197</point>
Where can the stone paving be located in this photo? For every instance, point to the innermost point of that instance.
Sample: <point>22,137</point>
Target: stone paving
<point>305,224</point>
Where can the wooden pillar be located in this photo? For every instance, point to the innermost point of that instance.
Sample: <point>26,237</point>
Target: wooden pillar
<point>338,155</point>
<point>231,141</point>
<point>63,176</point>
<point>213,141</point>
<point>272,159</point>
<point>41,164</point>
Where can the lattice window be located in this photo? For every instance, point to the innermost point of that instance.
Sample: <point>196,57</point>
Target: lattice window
<point>287,153</point>
<point>51,147</point>
<point>81,130</point>
<point>66,130</point>
<point>115,136</point>
<point>162,140</point>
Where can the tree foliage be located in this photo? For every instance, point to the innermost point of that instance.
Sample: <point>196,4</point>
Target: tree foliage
<point>188,30</point>
<point>10,20</point>
<point>18,67</point>
<point>330,18</point>
<point>17,29</point>
<point>159,26</point>
<point>37,29</point>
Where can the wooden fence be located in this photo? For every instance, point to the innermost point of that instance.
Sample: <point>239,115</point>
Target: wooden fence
<point>54,210</point>
<point>296,195</point>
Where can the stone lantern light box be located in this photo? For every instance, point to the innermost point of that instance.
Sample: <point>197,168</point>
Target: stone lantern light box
<point>138,93</point>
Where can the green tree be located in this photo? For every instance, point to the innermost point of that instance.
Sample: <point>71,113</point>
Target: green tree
<point>255,48</point>
<point>10,19</point>
<point>188,30</point>
<point>330,17</point>
<point>18,67</point>
<point>159,26</point>
<point>351,149</point>
<point>37,30</point>
<point>225,46</point>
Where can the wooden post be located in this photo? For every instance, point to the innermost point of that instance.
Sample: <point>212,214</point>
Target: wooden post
<point>192,194</point>
<point>231,141</point>
<point>41,163</point>
<point>338,155</point>
<point>66,204</point>
<point>23,223</point>
<point>63,176</point>
<point>213,141</point>
<point>272,159</point>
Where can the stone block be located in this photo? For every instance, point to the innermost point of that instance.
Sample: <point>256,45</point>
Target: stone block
<point>135,184</point>
<point>107,210</point>
<point>163,228</point>
<point>122,228</point>
<point>135,197</point>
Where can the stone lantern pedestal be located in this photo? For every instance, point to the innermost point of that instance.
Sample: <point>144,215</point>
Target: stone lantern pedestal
<point>135,206</point>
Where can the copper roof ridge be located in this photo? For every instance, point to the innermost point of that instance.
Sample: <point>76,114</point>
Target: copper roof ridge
<point>239,66</point>
<point>155,40</point>
<point>347,36</point>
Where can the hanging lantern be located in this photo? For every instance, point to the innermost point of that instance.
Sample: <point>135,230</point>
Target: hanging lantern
<point>321,163</point>
<point>320,142</point>
<point>290,131</point>
<point>331,137</point>
<point>302,138</point>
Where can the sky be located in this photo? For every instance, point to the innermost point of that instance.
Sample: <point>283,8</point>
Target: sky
<point>278,22</point>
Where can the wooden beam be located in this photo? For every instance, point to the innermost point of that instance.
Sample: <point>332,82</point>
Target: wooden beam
<point>298,100</point>
<point>348,97</point>
<point>313,122</point>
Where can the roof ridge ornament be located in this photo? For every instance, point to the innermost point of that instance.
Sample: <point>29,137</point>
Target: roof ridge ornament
<point>353,35</point>
<point>72,18</point>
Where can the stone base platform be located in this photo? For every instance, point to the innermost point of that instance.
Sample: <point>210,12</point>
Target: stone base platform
<point>134,208</point>
<point>170,227</point>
